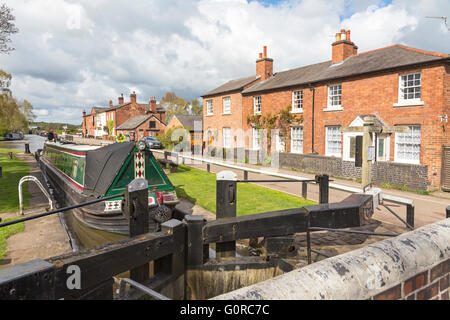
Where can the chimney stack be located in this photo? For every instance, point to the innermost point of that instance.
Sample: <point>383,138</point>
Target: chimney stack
<point>121,99</point>
<point>343,48</point>
<point>264,65</point>
<point>152,104</point>
<point>133,97</point>
<point>110,103</point>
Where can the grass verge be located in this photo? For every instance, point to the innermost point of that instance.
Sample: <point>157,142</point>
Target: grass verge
<point>199,187</point>
<point>13,170</point>
<point>5,232</point>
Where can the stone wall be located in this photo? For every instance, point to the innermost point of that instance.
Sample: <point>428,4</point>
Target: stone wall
<point>413,176</point>
<point>414,265</point>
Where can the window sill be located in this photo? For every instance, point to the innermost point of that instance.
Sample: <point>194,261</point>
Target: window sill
<point>406,162</point>
<point>226,114</point>
<point>209,114</point>
<point>333,109</point>
<point>297,111</point>
<point>409,104</point>
<point>257,112</point>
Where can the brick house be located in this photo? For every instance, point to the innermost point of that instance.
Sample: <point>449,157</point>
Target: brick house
<point>90,122</point>
<point>400,85</point>
<point>192,123</point>
<point>119,114</point>
<point>142,126</point>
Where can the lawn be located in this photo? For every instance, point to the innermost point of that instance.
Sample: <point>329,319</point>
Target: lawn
<point>5,232</point>
<point>13,170</point>
<point>199,187</point>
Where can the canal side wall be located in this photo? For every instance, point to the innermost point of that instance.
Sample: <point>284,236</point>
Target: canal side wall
<point>412,266</point>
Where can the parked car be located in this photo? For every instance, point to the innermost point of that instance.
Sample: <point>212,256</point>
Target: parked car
<point>152,143</point>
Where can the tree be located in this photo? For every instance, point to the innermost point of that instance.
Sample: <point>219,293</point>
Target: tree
<point>196,107</point>
<point>7,28</point>
<point>281,121</point>
<point>174,105</point>
<point>14,115</point>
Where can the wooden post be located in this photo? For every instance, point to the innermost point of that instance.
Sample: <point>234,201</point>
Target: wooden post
<point>27,148</point>
<point>208,167</point>
<point>447,212</point>
<point>304,189</point>
<point>410,214</point>
<point>194,243</point>
<point>323,181</point>
<point>226,208</point>
<point>1,172</point>
<point>136,210</point>
<point>245,175</point>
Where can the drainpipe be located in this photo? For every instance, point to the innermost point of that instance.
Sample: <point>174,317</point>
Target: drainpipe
<point>312,120</point>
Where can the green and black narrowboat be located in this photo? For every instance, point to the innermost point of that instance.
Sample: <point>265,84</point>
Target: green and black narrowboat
<point>80,173</point>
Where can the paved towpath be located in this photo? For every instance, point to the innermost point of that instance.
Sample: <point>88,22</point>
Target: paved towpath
<point>43,237</point>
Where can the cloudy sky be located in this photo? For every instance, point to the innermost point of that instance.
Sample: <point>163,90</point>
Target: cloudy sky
<point>72,55</point>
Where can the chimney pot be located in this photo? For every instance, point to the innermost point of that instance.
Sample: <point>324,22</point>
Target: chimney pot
<point>260,55</point>
<point>347,35</point>
<point>265,51</point>
<point>121,98</point>
<point>338,37</point>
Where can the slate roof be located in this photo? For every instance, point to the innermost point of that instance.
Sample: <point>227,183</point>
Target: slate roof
<point>367,62</point>
<point>188,121</point>
<point>232,85</point>
<point>135,122</point>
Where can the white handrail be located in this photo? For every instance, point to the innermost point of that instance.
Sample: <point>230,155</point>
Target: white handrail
<point>34,179</point>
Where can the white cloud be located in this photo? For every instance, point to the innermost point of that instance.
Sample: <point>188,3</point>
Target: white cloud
<point>71,55</point>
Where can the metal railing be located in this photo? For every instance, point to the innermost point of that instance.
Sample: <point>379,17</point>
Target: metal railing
<point>408,203</point>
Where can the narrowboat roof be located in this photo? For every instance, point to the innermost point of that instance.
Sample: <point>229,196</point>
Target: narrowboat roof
<point>74,147</point>
<point>103,165</point>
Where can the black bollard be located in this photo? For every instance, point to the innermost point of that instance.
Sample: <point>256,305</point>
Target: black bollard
<point>226,208</point>
<point>447,211</point>
<point>323,181</point>
<point>135,208</point>
<point>27,148</point>
<point>1,172</point>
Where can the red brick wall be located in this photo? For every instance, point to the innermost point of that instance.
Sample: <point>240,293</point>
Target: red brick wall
<point>432,284</point>
<point>218,120</point>
<point>129,111</point>
<point>374,94</point>
<point>145,130</point>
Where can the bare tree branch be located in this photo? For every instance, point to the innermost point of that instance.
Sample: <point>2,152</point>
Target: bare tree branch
<point>7,28</point>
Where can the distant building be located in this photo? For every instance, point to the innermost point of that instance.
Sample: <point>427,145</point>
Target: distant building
<point>142,126</point>
<point>192,123</point>
<point>97,124</point>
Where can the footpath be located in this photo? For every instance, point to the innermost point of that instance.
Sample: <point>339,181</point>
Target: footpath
<point>43,237</point>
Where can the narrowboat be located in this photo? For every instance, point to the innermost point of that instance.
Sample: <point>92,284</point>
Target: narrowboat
<point>80,173</point>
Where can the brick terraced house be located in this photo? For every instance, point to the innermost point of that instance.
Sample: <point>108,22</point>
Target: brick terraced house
<point>96,124</point>
<point>400,85</point>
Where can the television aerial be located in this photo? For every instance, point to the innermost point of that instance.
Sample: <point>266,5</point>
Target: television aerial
<point>442,18</point>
